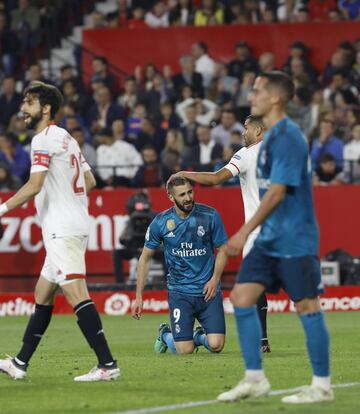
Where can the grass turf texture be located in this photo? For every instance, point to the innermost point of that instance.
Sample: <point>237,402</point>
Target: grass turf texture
<point>150,380</point>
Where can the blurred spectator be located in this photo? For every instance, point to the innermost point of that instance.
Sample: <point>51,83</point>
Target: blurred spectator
<point>287,9</point>
<point>10,101</point>
<point>118,129</point>
<point>168,119</point>
<point>9,46</point>
<point>72,96</point>
<point>350,120</point>
<point>34,74</point>
<point>347,50</point>
<point>223,87</point>
<point>87,150</point>
<point>242,97</point>
<point>67,73</point>
<point>204,155</point>
<point>205,110</point>
<point>327,172</point>
<point>302,15</point>
<point>252,11</point>
<point>319,107</point>
<point>8,182</point>
<point>21,132</point>
<point>354,75</point>
<point>98,20</point>
<point>174,142</point>
<point>150,135</point>
<point>13,154</point>
<point>128,98</point>
<point>268,16</point>
<point>243,61</point>
<point>221,134</point>
<point>336,65</point>
<point>203,62</point>
<point>318,9</point>
<point>170,164</point>
<point>209,14</point>
<point>137,19</point>
<point>350,9</point>
<point>133,123</point>
<point>266,62</point>
<point>235,13</point>
<point>158,15</point>
<point>25,22</point>
<point>327,143</point>
<point>117,161</point>
<point>335,15</point>
<point>100,73</point>
<point>190,126</point>
<point>188,77</point>
<point>185,11</point>
<point>298,50</point>
<point>122,14</point>
<point>299,109</point>
<point>155,96</point>
<point>352,155</point>
<point>104,112</point>
<point>149,174</point>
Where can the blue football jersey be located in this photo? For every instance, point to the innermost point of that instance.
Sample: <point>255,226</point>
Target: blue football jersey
<point>188,246</point>
<point>291,230</point>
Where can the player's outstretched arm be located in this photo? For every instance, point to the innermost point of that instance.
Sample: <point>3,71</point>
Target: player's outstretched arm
<point>25,193</point>
<point>270,201</point>
<point>90,181</point>
<point>207,178</point>
<point>210,288</point>
<point>142,272</point>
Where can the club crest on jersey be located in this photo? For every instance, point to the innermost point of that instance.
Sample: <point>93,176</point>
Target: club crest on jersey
<point>170,224</point>
<point>200,231</point>
<point>177,329</point>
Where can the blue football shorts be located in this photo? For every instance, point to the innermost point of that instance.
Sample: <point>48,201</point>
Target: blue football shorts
<point>184,309</point>
<point>300,277</point>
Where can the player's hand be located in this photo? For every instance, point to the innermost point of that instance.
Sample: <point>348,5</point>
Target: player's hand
<point>136,308</point>
<point>236,243</point>
<point>210,289</point>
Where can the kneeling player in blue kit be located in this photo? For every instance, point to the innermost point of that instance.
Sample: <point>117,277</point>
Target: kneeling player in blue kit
<point>189,233</point>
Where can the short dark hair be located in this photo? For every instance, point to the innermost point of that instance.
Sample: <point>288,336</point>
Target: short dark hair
<point>102,59</point>
<point>47,95</point>
<point>176,181</point>
<point>255,120</point>
<point>203,46</point>
<point>282,81</point>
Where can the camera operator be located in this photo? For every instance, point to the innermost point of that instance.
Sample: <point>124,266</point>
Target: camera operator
<point>132,238</point>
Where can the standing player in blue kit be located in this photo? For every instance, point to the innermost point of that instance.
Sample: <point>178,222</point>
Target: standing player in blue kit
<point>285,252</point>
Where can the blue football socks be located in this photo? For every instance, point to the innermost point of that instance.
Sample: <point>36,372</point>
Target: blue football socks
<point>169,341</point>
<point>202,340</point>
<point>249,330</point>
<point>317,342</point>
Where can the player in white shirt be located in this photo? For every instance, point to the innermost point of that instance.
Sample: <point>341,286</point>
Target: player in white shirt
<point>243,164</point>
<point>59,180</point>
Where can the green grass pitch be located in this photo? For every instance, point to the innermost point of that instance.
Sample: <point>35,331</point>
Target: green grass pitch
<point>150,380</point>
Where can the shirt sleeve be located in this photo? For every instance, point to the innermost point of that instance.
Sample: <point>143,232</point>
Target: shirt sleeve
<point>40,155</point>
<point>288,161</point>
<point>85,166</point>
<point>219,236</point>
<point>239,162</point>
<point>153,237</point>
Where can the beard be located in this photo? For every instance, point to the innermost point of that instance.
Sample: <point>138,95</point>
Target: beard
<point>34,120</point>
<point>185,208</point>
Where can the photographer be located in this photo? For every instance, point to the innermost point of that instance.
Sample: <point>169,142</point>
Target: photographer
<point>140,216</point>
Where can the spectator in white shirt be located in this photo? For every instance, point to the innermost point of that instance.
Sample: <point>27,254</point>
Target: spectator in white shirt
<point>352,155</point>
<point>222,133</point>
<point>157,16</point>
<point>205,110</point>
<point>203,62</point>
<point>117,161</point>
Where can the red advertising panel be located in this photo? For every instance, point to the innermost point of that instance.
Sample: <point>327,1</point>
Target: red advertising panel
<point>22,253</point>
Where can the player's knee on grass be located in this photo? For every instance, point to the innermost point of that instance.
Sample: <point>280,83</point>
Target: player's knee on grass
<point>308,305</point>
<point>216,342</point>
<point>185,347</point>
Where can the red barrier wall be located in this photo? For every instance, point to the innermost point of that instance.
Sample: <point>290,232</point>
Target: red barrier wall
<point>21,249</point>
<point>128,48</point>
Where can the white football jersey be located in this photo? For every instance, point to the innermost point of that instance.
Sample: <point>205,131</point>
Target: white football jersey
<point>62,204</point>
<point>243,163</point>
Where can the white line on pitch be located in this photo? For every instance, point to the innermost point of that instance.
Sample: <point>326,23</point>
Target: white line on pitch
<point>208,402</point>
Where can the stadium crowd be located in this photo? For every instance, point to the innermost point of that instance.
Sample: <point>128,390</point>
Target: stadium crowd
<point>159,122</point>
